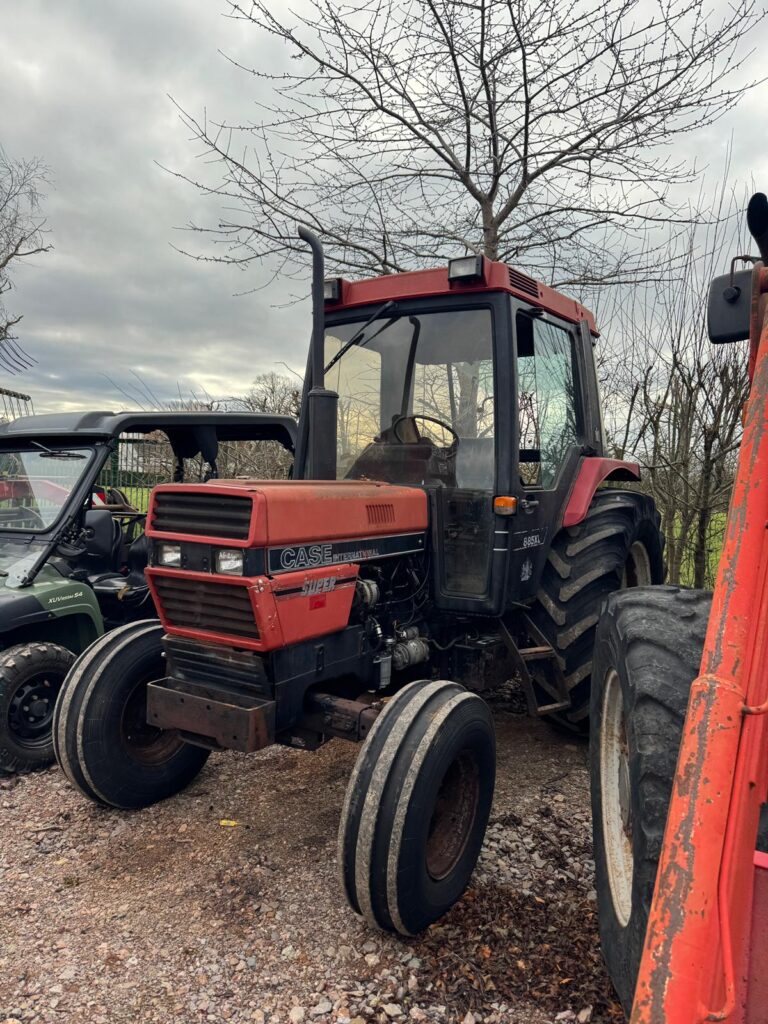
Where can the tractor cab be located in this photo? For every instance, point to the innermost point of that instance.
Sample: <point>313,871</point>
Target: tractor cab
<point>477,384</point>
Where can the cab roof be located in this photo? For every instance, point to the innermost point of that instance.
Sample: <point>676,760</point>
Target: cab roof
<point>102,425</point>
<point>496,277</point>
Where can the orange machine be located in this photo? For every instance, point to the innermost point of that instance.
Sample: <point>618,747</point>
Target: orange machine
<point>705,947</point>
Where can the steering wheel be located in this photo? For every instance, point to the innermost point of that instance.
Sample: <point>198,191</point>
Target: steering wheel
<point>450,448</point>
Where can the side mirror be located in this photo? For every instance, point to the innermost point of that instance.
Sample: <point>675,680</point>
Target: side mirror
<point>729,307</point>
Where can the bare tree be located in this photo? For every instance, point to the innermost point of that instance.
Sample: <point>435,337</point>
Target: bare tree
<point>274,392</point>
<point>406,131</point>
<point>22,236</point>
<point>675,401</point>
<point>269,392</point>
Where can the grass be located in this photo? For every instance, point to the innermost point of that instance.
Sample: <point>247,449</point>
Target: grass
<point>715,537</point>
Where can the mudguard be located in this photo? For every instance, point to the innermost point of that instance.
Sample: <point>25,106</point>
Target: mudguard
<point>591,473</point>
<point>51,605</point>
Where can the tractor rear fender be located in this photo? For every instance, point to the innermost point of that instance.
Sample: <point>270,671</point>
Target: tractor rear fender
<point>591,473</point>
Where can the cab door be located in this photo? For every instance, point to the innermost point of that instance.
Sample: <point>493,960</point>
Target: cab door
<point>468,548</point>
<point>551,431</point>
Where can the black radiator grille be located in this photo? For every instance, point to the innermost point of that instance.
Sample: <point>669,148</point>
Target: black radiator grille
<point>210,607</point>
<point>191,661</point>
<point>202,515</point>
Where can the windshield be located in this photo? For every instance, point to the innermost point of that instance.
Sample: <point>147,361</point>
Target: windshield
<point>413,389</point>
<point>35,485</point>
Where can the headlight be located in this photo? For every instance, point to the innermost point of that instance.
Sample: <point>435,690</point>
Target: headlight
<point>169,555</point>
<point>229,560</point>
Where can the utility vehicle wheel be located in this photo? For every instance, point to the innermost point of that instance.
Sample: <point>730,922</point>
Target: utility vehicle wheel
<point>31,676</point>
<point>103,742</point>
<point>417,806</point>
<point>618,545</point>
<point>647,654</point>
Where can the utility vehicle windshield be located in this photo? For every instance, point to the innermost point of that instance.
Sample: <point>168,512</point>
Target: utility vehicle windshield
<point>415,398</point>
<point>35,485</point>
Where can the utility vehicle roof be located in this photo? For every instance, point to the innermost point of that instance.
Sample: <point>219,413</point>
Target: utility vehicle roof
<point>102,425</point>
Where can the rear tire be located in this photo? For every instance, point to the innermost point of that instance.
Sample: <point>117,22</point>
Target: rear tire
<point>647,654</point>
<point>417,806</point>
<point>31,676</point>
<point>618,545</point>
<point>104,744</point>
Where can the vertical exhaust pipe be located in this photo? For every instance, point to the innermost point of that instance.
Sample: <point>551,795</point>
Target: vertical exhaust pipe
<point>322,404</point>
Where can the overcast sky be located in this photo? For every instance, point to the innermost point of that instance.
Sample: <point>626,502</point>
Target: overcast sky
<point>84,85</point>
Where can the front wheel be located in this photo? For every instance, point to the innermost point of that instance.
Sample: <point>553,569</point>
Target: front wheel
<point>417,806</point>
<point>647,653</point>
<point>104,744</point>
<point>31,676</point>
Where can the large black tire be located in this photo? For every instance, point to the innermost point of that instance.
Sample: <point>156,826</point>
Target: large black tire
<point>647,654</point>
<point>417,806</point>
<point>103,742</point>
<point>31,676</point>
<point>619,544</point>
<point>69,703</point>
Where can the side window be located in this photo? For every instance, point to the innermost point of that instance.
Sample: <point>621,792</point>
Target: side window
<point>547,399</point>
<point>357,380</point>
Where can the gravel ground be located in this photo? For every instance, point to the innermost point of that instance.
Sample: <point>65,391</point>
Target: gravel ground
<point>222,904</point>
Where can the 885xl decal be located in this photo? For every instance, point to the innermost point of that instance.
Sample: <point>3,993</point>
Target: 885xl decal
<point>524,540</point>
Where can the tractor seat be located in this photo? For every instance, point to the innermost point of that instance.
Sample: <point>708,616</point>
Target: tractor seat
<point>111,583</point>
<point>138,558</point>
<point>107,583</point>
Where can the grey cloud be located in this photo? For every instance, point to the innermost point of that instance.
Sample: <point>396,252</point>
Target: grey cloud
<point>84,86</point>
<point>86,89</point>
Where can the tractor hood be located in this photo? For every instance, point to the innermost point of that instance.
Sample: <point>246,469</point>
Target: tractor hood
<point>267,564</point>
<point>297,524</point>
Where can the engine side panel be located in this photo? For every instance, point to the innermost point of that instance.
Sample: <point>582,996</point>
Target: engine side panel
<point>254,613</point>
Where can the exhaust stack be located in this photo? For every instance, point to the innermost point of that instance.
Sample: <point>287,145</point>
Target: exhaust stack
<point>321,403</point>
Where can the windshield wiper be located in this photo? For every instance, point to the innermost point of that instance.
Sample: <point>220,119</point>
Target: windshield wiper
<point>358,338</point>
<point>58,453</point>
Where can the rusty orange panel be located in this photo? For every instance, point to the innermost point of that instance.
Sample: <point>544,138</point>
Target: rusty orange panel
<point>695,964</point>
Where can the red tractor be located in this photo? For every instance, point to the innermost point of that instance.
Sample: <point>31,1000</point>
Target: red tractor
<point>443,532</point>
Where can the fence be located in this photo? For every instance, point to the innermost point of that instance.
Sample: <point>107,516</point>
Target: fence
<point>143,461</point>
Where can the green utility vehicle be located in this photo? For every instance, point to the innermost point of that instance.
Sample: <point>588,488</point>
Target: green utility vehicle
<point>74,489</point>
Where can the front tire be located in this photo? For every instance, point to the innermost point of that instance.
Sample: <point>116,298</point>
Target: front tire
<point>417,806</point>
<point>103,742</point>
<point>647,654</point>
<point>31,676</point>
